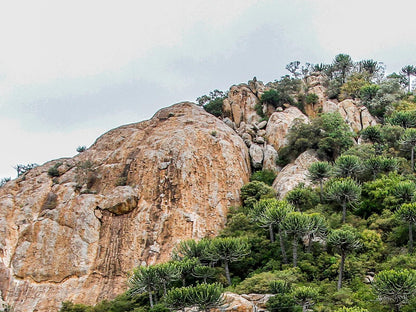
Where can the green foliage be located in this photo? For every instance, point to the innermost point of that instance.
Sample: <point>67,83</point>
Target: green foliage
<point>344,192</point>
<point>3,181</point>
<point>354,309</point>
<point>81,149</point>
<point>214,107</point>
<point>404,119</point>
<point>275,98</point>
<point>53,171</point>
<point>23,169</point>
<point>265,176</point>
<point>395,288</point>
<point>351,89</point>
<point>254,191</point>
<point>263,282</point>
<point>347,166</point>
<point>189,249</point>
<point>213,102</point>
<point>328,134</point>
<point>311,99</point>
<point>368,92</point>
<point>305,296</point>
<point>202,296</point>
<point>388,93</point>
<point>302,198</point>
<point>382,194</point>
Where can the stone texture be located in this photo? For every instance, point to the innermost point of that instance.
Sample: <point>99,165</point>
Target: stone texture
<point>241,102</point>
<point>256,155</point>
<point>244,303</point>
<point>280,123</point>
<point>357,117</point>
<point>270,157</point>
<point>294,173</point>
<point>77,236</point>
<point>315,83</point>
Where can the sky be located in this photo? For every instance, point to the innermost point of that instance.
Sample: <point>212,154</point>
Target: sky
<point>73,70</point>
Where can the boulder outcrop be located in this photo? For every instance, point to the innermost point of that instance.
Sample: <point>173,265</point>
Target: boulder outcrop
<point>240,104</point>
<point>125,201</point>
<point>294,173</point>
<point>280,123</point>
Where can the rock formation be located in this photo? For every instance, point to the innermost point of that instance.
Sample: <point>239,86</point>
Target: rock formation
<point>125,201</point>
<point>294,173</point>
<point>280,123</point>
<point>241,102</point>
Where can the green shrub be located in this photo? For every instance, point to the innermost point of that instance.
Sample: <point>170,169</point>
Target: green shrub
<point>214,107</point>
<point>312,99</point>
<point>265,176</point>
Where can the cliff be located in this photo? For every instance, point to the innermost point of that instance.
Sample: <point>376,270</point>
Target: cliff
<point>125,201</point>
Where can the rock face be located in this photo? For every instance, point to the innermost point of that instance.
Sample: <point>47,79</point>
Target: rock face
<point>126,201</point>
<point>357,117</point>
<point>245,303</point>
<point>280,123</point>
<point>241,102</point>
<point>294,173</point>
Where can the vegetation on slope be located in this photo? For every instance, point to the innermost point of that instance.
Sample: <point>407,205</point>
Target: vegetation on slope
<point>343,244</point>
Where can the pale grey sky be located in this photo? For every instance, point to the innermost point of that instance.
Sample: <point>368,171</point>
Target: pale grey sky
<point>72,70</point>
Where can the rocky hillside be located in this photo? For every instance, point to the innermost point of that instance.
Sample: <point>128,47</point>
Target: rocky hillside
<point>127,200</point>
<point>72,229</point>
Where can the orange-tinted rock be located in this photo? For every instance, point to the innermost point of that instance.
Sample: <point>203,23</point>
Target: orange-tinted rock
<point>125,201</point>
<point>280,123</point>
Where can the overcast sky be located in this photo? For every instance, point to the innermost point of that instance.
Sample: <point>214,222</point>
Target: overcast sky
<point>72,70</point>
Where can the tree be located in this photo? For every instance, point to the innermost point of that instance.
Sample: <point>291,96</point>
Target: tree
<point>272,212</point>
<point>354,309</point>
<point>404,119</point>
<point>318,172</point>
<point>302,197</point>
<point>375,165</point>
<point>3,181</point>
<point>305,296</point>
<point>408,70</point>
<point>178,298</point>
<point>345,240</point>
<point>408,142</point>
<point>347,166</point>
<point>81,149</point>
<point>22,169</point>
<point>275,98</point>
<point>207,296</point>
<point>293,68</point>
<point>228,250</point>
<point>317,228</point>
<point>253,191</point>
<point>203,272</point>
<point>144,279</point>
<point>167,273</point>
<point>404,191</point>
<point>345,192</point>
<point>296,224</point>
<point>395,288</point>
<point>190,249</point>
<point>186,266</point>
<point>407,213</point>
<point>343,64</point>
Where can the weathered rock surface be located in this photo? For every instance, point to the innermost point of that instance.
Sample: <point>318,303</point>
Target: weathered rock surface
<point>280,123</point>
<point>315,82</point>
<point>125,201</point>
<point>294,173</point>
<point>256,155</point>
<point>245,303</point>
<point>270,158</point>
<point>357,117</point>
<point>241,102</point>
